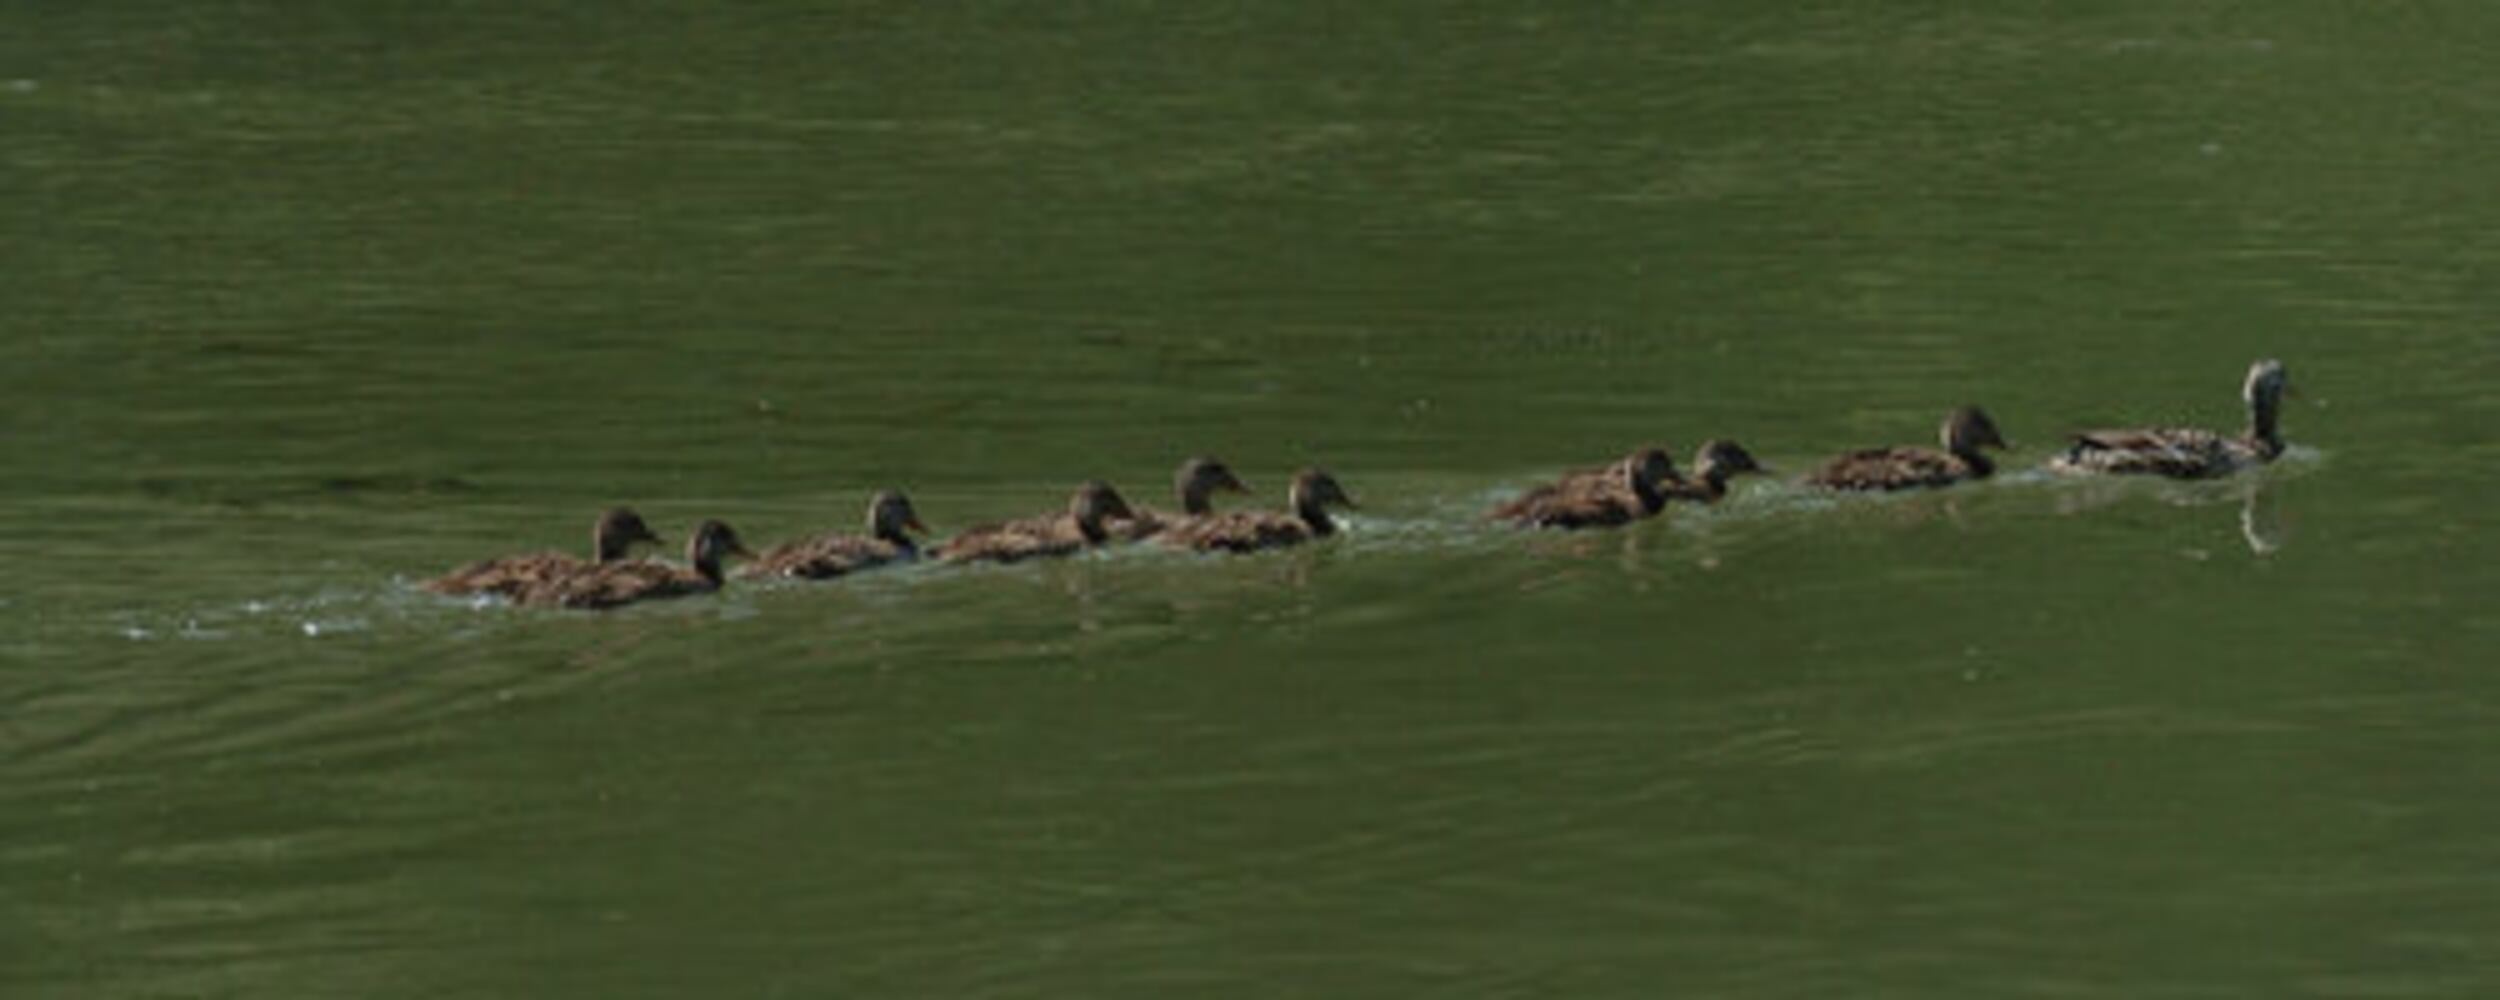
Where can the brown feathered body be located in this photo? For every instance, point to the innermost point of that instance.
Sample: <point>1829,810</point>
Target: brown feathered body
<point>611,538</point>
<point>828,557</point>
<point>509,575</point>
<point>1618,494</point>
<point>1716,463</point>
<point>1965,432</point>
<point>620,583</point>
<point>2189,452</point>
<point>1194,485</point>
<point>1898,468</point>
<point>2176,452</point>
<point>1082,526</point>
<point>1313,492</point>
<point>890,523</point>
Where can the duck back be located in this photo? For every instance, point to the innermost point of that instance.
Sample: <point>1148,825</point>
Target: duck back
<point>2174,452</point>
<point>1593,502</point>
<point>827,557</point>
<point>1014,541</point>
<point>1894,469</point>
<point>508,576</point>
<point>618,584</point>
<point>1239,531</point>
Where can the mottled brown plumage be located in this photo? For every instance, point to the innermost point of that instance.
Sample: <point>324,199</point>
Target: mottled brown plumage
<point>890,524</point>
<point>1716,462</point>
<point>1627,491</point>
<point>1312,493</point>
<point>1083,525</point>
<point>610,539</point>
<point>1194,484</point>
<point>1965,431</point>
<point>2188,452</point>
<point>620,583</point>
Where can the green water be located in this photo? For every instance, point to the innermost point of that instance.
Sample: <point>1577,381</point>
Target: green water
<point>305,302</point>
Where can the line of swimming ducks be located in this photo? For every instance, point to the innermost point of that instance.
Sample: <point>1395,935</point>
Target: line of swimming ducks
<point>1638,486</point>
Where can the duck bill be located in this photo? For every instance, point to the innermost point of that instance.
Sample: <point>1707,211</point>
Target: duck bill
<point>914,524</point>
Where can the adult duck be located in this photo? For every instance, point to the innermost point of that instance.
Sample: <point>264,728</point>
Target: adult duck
<point>1627,491</point>
<point>1085,524</point>
<point>2190,452</point>
<point>890,524</point>
<point>1312,493</point>
<point>1965,431</point>
<point>611,539</point>
<point>1195,484</point>
<point>621,583</point>
<point>1718,461</point>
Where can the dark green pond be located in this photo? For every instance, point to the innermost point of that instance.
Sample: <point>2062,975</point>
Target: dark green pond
<point>307,302</point>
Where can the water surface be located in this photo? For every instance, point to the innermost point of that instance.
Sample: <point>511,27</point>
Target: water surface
<point>308,303</point>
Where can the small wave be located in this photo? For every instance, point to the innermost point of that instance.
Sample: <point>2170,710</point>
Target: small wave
<point>1447,520</point>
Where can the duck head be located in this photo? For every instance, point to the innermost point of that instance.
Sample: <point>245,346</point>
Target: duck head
<point>1201,476</point>
<point>1721,458</point>
<point>1644,471</point>
<point>2268,382</point>
<point>1094,503</point>
<point>617,531</point>
<point>714,541</point>
<point>1313,492</point>
<point>1968,429</point>
<point>1648,467</point>
<point>890,518</point>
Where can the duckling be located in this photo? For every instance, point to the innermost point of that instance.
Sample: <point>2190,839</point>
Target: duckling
<point>1246,531</point>
<point>1193,483</point>
<point>1964,432</point>
<point>1716,462</point>
<point>2187,452</point>
<point>1622,493</point>
<point>890,523</point>
<point>621,583</point>
<point>610,539</point>
<point>1046,535</point>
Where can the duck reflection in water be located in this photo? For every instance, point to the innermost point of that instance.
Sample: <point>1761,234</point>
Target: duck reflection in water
<point>2262,520</point>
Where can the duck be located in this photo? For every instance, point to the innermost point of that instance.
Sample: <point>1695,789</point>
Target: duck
<point>2188,452</point>
<point>891,521</point>
<point>1965,431</point>
<point>1082,526</point>
<point>1621,493</point>
<point>1195,484</point>
<point>1717,461</point>
<point>1312,493</point>
<point>621,583</point>
<point>612,538</point>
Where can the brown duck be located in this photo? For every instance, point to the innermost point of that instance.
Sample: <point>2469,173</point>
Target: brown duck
<point>1965,431</point>
<point>1627,491</point>
<point>1716,462</point>
<point>1312,493</point>
<point>620,583</point>
<point>1094,504</point>
<point>1195,484</point>
<point>890,524</point>
<point>610,539</point>
<point>2188,452</point>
